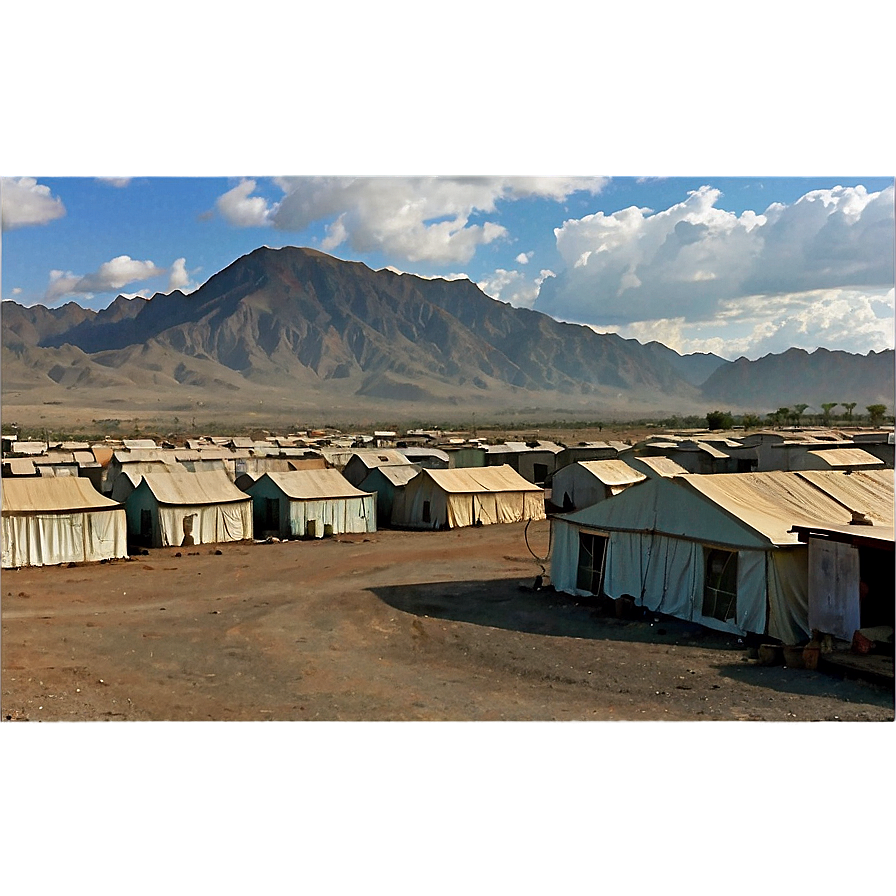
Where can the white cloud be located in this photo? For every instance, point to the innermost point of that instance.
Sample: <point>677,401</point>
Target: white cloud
<point>111,276</point>
<point>845,319</point>
<point>239,208</point>
<point>524,257</point>
<point>179,277</point>
<point>412,219</point>
<point>115,181</point>
<point>23,202</point>
<point>514,287</point>
<point>17,290</point>
<point>811,272</point>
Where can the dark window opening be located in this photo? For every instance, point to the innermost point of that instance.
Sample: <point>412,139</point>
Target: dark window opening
<point>426,512</point>
<point>539,473</point>
<point>146,526</point>
<point>271,513</point>
<point>590,571</point>
<point>720,584</point>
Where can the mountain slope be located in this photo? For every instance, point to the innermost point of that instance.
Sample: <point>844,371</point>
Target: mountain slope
<point>798,376</point>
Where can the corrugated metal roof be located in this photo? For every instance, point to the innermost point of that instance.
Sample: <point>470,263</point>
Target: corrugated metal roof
<point>847,457</point>
<point>612,472</point>
<point>302,485</point>
<point>481,479</point>
<point>52,495</point>
<point>184,488</point>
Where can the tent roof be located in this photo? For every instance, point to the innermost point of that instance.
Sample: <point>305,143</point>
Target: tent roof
<point>376,458</point>
<point>182,487</point>
<point>664,466</point>
<point>847,457</point>
<point>397,474</point>
<point>611,472</point>
<point>862,491</point>
<point>301,485</point>
<point>465,480</point>
<point>53,494</point>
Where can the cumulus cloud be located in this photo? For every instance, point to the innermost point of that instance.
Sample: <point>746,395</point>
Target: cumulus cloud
<point>111,276</point>
<point>812,272</point>
<point>414,219</point>
<point>179,277</point>
<point>241,209</point>
<point>115,181</point>
<point>514,287</point>
<point>524,257</point>
<point>845,319</point>
<point>23,202</point>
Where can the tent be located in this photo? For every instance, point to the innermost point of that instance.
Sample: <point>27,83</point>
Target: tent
<point>439,499</point>
<point>361,463</point>
<point>182,508</point>
<point>586,482</point>
<point>718,550</point>
<point>385,481</point>
<point>310,503</point>
<point>59,520</point>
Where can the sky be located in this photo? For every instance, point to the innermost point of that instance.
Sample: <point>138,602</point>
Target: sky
<point>737,266</point>
<point>653,171</point>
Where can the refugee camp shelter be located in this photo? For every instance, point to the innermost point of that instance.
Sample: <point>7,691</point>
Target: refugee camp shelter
<point>655,466</point>
<point>362,462</point>
<point>586,482</point>
<point>851,576</point>
<point>718,550</point>
<point>182,508</point>
<point>440,499</point>
<point>50,520</point>
<point>310,503</point>
<point>384,481</point>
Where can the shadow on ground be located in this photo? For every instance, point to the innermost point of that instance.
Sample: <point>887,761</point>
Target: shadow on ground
<point>809,683</point>
<point>513,605</point>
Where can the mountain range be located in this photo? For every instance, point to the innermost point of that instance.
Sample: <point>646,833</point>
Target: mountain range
<point>299,333</point>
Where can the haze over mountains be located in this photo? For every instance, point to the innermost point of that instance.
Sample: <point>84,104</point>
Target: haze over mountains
<point>296,332</point>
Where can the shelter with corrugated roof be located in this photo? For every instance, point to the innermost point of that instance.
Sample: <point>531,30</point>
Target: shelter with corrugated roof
<point>53,520</point>
<point>444,499</point>
<point>310,504</point>
<point>718,550</point>
<point>177,508</point>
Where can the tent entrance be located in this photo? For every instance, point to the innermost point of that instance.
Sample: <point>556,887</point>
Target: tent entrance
<point>590,570</point>
<point>720,584</point>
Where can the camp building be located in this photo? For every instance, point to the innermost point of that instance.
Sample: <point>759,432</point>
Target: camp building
<point>310,503</point>
<point>59,520</point>
<point>719,550</point>
<point>182,508</point>
<point>442,499</point>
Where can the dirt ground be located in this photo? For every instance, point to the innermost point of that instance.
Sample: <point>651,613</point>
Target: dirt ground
<point>391,626</point>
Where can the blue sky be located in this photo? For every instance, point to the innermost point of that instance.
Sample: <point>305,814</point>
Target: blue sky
<point>737,266</point>
<point>705,261</point>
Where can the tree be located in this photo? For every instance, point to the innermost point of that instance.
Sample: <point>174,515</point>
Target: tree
<point>798,412</point>
<point>751,420</point>
<point>876,413</point>
<point>780,416</point>
<point>719,420</point>
<point>849,405</point>
<point>827,407</point>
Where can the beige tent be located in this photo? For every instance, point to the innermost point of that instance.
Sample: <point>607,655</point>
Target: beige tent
<point>311,503</point>
<point>183,508</point>
<point>440,499</point>
<point>588,481</point>
<point>59,520</point>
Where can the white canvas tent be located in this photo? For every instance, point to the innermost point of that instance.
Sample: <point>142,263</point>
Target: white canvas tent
<point>586,482</point>
<point>717,550</point>
<point>59,520</point>
<point>178,507</point>
<point>310,503</point>
<point>438,499</point>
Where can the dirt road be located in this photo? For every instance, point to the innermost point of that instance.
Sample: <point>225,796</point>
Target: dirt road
<point>396,625</point>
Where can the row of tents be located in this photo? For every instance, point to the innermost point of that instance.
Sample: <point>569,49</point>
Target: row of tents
<point>59,520</point>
